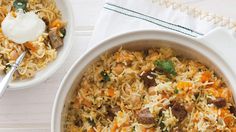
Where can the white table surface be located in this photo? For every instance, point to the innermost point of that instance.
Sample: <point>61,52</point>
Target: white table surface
<point>29,110</point>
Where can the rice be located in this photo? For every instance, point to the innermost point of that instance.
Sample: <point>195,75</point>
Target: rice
<point>153,90</point>
<point>43,52</point>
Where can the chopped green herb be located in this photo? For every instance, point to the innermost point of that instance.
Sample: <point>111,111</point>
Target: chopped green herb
<point>133,129</point>
<point>7,68</point>
<point>91,122</point>
<point>145,52</point>
<point>199,69</point>
<point>196,95</point>
<point>166,66</point>
<point>162,126</point>
<point>63,32</point>
<point>176,91</point>
<point>105,76</point>
<point>214,73</point>
<point>78,122</point>
<point>160,114</point>
<point>20,4</point>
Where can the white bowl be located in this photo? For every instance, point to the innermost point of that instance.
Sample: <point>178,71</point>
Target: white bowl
<point>67,15</point>
<point>189,47</point>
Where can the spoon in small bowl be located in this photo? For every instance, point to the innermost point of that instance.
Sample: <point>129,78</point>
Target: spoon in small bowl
<point>8,77</point>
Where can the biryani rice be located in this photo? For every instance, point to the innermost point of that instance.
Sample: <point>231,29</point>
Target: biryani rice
<point>40,52</point>
<point>195,99</point>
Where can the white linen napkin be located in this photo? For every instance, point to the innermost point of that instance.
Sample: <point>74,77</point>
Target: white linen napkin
<point>119,16</point>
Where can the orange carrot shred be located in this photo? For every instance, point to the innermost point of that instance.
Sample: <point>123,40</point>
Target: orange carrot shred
<point>184,84</point>
<point>114,127</point>
<point>111,92</point>
<point>30,46</point>
<point>205,76</point>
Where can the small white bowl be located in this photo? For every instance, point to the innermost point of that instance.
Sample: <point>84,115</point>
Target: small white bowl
<point>67,15</point>
<point>198,49</point>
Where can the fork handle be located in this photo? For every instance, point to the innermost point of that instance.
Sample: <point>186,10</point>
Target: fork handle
<point>6,80</point>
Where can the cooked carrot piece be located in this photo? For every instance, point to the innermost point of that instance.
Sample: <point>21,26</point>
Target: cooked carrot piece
<point>30,46</point>
<point>110,92</point>
<point>205,76</point>
<point>151,130</point>
<point>4,10</point>
<point>216,84</point>
<point>114,127</point>
<point>91,130</point>
<point>144,129</point>
<point>184,84</point>
<point>233,129</point>
<point>229,121</point>
<point>13,14</point>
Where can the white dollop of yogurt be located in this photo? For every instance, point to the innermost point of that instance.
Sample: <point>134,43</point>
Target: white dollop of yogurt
<point>22,28</point>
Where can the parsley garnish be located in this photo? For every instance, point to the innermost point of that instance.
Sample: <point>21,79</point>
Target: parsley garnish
<point>166,66</point>
<point>105,76</point>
